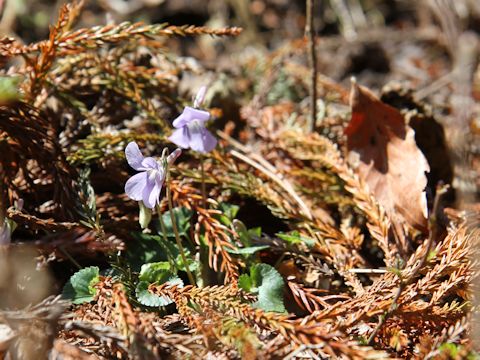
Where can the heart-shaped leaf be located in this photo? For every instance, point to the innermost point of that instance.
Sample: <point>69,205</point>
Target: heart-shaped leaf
<point>159,273</point>
<point>80,288</point>
<point>267,283</point>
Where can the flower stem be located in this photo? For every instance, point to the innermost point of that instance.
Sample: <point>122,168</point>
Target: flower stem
<point>171,259</point>
<point>175,230</point>
<point>204,191</point>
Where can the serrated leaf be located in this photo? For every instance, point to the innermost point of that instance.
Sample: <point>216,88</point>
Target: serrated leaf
<point>80,287</point>
<point>294,237</point>
<point>146,298</point>
<point>158,273</point>
<point>182,220</point>
<point>267,283</point>
<point>248,250</point>
<point>155,272</point>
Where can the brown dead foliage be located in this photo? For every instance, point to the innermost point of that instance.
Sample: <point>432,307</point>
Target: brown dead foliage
<point>370,273</point>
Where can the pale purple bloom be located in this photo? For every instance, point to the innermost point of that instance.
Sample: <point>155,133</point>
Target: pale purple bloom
<point>198,101</point>
<point>190,127</point>
<point>147,184</point>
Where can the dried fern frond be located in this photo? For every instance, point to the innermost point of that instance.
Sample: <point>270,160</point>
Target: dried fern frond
<point>209,230</point>
<point>222,300</point>
<point>74,41</point>
<point>314,147</point>
<point>30,155</point>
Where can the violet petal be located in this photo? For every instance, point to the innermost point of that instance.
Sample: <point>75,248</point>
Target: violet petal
<point>189,114</point>
<point>135,186</point>
<point>201,140</point>
<point>174,156</point>
<point>209,141</point>
<point>198,101</point>
<point>180,137</point>
<point>153,197</point>
<point>146,194</point>
<point>134,156</point>
<point>149,163</point>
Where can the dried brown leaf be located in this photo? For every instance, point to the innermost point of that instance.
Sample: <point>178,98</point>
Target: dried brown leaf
<point>387,157</point>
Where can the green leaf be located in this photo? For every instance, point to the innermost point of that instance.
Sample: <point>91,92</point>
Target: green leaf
<point>146,249</point>
<point>450,349</point>
<point>146,298</point>
<point>245,283</point>
<point>155,272</point>
<point>182,220</point>
<point>192,264</point>
<point>158,273</point>
<point>248,250</point>
<point>246,236</point>
<point>255,232</point>
<point>294,237</point>
<point>267,283</point>
<point>229,212</point>
<point>80,287</point>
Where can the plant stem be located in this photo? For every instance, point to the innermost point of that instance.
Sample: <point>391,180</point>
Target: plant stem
<point>69,257</point>
<point>175,230</point>
<point>204,191</point>
<point>310,33</point>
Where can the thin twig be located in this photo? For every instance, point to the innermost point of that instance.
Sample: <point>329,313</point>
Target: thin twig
<point>268,169</point>
<point>368,271</point>
<point>310,33</point>
<point>283,183</point>
<point>70,257</point>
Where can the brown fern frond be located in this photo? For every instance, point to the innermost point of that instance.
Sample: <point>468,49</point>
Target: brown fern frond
<point>449,335</point>
<point>215,234</point>
<point>126,319</point>
<point>36,223</point>
<point>314,147</point>
<point>75,41</point>
<point>311,299</point>
<point>220,299</point>
<point>30,155</point>
<point>377,299</point>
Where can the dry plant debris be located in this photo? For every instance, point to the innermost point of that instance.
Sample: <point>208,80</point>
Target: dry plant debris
<point>264,240</point>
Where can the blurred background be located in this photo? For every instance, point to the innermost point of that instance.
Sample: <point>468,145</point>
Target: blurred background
<point>399,39</point>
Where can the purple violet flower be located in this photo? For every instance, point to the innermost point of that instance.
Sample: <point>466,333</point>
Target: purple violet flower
<point>146,185</point>
<point>190,127</point>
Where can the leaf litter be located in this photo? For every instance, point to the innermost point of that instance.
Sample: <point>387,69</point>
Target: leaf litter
<point>263,239</point>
